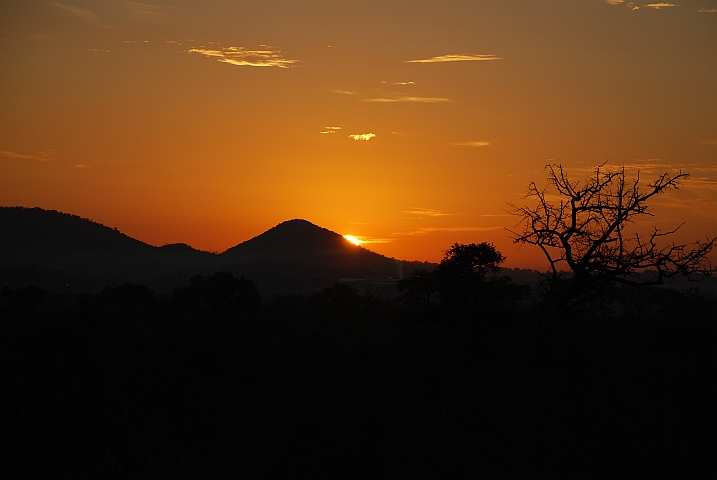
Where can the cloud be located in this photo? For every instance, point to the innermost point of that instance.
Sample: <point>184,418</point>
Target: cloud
<point>344,92</point>
<point>404,134</point>
<point>81,165</point>
<point>362,136</point>
<point>39,156</point>
<point>410,99</point>
<point>89,17</point>
<point>708,10</point>
<point>427,212</point>
<point>366,240</point>
<point>455,58</point>
<point>398,83</point>
<point>649,169</point>
<point>629,5</point>
<point>658,6</point>
<point>144,11</point>
<point>472,144</point>
<point>243,57</point>
<point>708,142</point>
<point>16,155</point>
<point>697,193</point>
<point>331,129</point>
<point>427,230</point>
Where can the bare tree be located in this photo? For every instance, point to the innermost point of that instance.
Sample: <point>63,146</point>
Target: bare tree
<point>582,226</point>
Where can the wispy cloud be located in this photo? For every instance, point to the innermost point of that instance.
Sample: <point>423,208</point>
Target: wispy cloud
<point>89,17</point>
<point>39,156</point>
<point>658,6</point>
<point>343,92</point>
<point>427,212</point>
<point>362,136</point>
<point>241,56</point>
<point>472,144</point>
<point>16,155</point>
<point>708,142</point>
<point>427,230</point>
<point>629,5</point>
<point>697,194</point>
<point>398,83</point>
<point>80,165</point>
<point>469,57</point>
<point>144,11</point>
<point>653,167</point>
<point>708,10</point>
<point>330,130</point>
<point>409,99</point>
<point>404,134</point>
<point>366,240</point>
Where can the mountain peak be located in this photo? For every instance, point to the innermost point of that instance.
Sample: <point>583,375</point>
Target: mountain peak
<point>292,235</point>
<point>300,241</point>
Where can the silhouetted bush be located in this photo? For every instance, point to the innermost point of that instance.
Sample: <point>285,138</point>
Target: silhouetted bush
<point>221,292</point>
<point>129,384</point>
<point>128,294</point>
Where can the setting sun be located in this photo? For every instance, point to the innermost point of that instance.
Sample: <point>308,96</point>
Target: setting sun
<point>352,239</point>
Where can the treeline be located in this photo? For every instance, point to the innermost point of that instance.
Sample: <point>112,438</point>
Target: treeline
<point>474,381</point>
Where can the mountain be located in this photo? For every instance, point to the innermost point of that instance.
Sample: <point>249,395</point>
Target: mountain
<point>300,241</point>
<point>293,257</point>
<point>297,256</point>
<point>35,232</point>
<point>79,246</point>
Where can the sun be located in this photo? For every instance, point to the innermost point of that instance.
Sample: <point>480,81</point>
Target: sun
<point>352,239</point>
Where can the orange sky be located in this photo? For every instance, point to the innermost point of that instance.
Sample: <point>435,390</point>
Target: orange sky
<point>407,123</point>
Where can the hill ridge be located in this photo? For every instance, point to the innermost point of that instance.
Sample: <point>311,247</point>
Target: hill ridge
<point>294,255</point>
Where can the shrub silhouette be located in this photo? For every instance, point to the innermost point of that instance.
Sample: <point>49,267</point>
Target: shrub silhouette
<point>128,294</point>
<point>221,292</point>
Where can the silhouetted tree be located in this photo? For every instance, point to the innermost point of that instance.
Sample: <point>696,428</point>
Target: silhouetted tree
<point>462,272</point>
<point>585,229</point>
<point>128,294</point>
<point>338,295</point>
<point>220,292</point>
<point>417,288</point>
<point>460,281</point>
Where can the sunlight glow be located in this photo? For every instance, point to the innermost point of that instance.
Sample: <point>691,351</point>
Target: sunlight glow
<point>352,239</point>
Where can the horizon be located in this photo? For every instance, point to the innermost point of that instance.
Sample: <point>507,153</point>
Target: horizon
<point>410,126</point>
<point>349,238</point>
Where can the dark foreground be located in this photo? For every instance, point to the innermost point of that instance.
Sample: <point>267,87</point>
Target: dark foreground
<point>202,384</point>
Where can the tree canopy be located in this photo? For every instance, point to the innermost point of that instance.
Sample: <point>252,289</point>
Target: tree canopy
<point>584,227</point>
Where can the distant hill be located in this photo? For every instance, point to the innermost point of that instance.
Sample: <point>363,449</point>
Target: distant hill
<point>36,232</point>
<point>300,241</point>
<point>76,245</point>
<point>297,256</point>
<point>293,257</point>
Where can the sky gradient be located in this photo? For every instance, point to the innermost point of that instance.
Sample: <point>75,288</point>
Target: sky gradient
<point>408,124</point>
